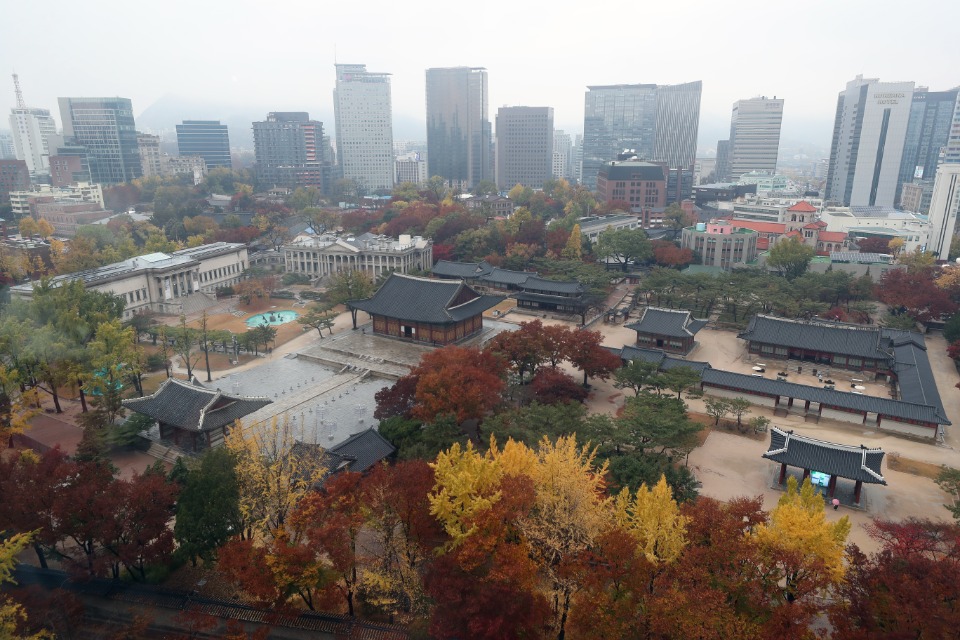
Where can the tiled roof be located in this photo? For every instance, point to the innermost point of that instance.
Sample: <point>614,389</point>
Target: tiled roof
<point>505,276</point>
<point>803,207</point>
<point>542,285</point>
<point>658,357</point>
<point>828,397</point>
<point>793,234</point>
<point>466,270</point>
<point>830,337</point>
<point>915,379</point>
<point>667,322</point>
<point>832,236</point>
<point>859,257</point>
<point>191,406</point>
<point>548,298</point>
<point>364,449</point>
<point>811,225</point>
<point>424,300</point>
<point>855,463</point>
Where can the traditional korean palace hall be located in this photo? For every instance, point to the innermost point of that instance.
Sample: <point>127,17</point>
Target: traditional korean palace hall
<point>672,330</point>
<point>191,416</point>
<point>825,462</point>
<point>425,310</point>
<point>529,289</point>
<point>876,353</point>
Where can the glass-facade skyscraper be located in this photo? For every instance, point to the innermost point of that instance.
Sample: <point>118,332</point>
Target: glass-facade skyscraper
<point>205,138</point>
<point>659,123</point>
<point>459,135</point>
<point>106,129</point>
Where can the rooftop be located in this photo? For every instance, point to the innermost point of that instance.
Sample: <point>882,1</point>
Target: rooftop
<point>855,463</point>
<point>667,322</point>
<point>425,300</point>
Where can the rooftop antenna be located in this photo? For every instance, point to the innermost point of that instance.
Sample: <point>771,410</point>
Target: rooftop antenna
<point>16,87</point>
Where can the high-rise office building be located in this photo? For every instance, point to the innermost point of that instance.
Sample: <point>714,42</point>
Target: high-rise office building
<point>562,155</point>
<point>944,206</point>
<point>867,148</point>
<point>7,151</point>
<point>657,123</point>
<point>149,146</point>
<point>105,127</point>
<point>615,118</point>
<point>459,136</point>
<point>364,120</point>
<point>755,135</point>
<point>676,124</point>
<point>524,146</point>
<point>30,130</point>
<point>290,151</point>
<point>205,138</point>
<point>952,152</point>
<point>928,132</point>
<point>722,171</point>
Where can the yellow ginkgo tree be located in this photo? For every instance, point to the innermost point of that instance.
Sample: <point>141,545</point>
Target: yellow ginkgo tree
<point>805,551</point>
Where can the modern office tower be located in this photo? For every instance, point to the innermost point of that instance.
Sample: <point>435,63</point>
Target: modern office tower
<point>755,136</point>
<point>149,146</point>
<point>562,155</point>
<point>576,158</point>
<point>722,172</point>
<point>657,123</point>
<point>944,206</point>
<point>205,138</point>
<point>290,151</point>
<point>105,126</point>
<point>524,146</point>
<point>364,119</point>
<point>30,129</point>
<point>952,152</point>
<point>867,147</point>
<point>615,118</point>
<point>928,133</point>
<point>7,151</point>
<point>459,135</point>
<point>411,167</point>
<point>676,124</point>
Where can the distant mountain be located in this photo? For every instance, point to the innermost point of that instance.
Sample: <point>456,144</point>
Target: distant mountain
<point>165,114</point>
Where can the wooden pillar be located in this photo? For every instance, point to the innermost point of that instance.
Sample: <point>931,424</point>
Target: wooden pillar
<point>832,486</point>
<point>856,492</point>
<point>806,474</point>
<point>783,473</point>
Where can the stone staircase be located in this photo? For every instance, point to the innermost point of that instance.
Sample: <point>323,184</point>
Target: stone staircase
<point>196,302</point>
<point>164,452</point>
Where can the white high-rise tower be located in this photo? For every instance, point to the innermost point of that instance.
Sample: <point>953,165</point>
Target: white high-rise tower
<point>868,138</point>
<point>755,135</point>
<point>30,128</point>
<point>944,206</point>
<point>364,121</point>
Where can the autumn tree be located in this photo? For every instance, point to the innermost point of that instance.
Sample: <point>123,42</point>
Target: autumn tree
<point>586,352</point>
<point>574,248</point>
<point>907,589</point>
<point>12,614</point>
<point>402,537</point>
<point>464,382</point>
<point>553,386</point>
<point>524,349</point>
<point>914,294</point>
<point>739,407</point>
<point>718,409</point>
<point>800,545</point>
<point>272,477</point>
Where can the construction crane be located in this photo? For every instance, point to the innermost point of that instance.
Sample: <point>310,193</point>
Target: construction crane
<point>16,87</point>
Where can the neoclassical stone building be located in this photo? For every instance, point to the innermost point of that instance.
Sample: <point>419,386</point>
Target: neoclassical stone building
<point>319,256</point>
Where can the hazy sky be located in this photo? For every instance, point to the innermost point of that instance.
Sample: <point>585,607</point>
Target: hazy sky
<point>279,55</point>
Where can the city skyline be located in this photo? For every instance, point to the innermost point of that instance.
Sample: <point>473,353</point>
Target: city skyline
<point>540,68</point>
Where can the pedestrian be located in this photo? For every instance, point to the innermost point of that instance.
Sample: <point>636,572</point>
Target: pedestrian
<point>836,504</point>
